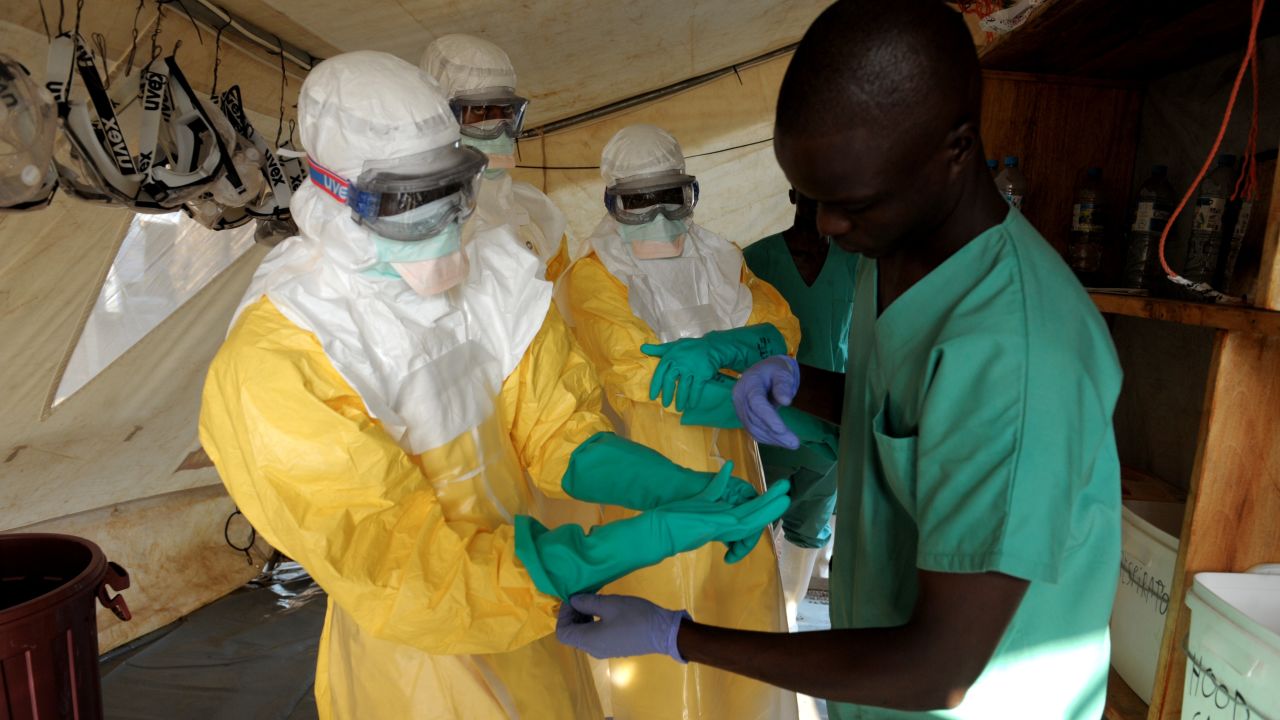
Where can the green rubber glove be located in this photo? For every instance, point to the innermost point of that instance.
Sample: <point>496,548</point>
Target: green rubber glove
<point>566,561</point>
<point>610,470</point>
<point>691,362</point>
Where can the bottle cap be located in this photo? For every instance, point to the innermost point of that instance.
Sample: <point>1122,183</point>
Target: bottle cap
<point>1010,161</point>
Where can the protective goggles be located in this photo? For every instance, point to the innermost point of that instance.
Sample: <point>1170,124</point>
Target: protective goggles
<point>410,198</point>
<point>490,113</point>
<point>28,123</point>
<point>636,201</point>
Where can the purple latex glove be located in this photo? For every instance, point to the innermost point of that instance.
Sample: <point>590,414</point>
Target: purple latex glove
<point>757,394</point>
<point>627,626</point>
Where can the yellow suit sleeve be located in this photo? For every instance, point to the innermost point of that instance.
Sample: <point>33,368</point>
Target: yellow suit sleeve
<point>321,480</point>
<point>552,403</point>
<point>768,306</point>
<point>560,261</point>
<point>610,333</point>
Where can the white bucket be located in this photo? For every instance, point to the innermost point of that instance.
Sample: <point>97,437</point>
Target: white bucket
<point>1233,648</point>
<point>1149,553</point>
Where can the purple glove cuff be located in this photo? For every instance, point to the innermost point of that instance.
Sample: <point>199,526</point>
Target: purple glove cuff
<point>671,631</point>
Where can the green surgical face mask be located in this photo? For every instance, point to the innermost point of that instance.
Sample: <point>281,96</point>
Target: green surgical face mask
<point>500,150</point>
<point>661,237</point>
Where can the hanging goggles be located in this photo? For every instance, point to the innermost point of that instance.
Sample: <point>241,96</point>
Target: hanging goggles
<point>490,113</point>
<point>638,200</point>
<point>28,122</point>
<point>180,149</point>
<point>387,192</point>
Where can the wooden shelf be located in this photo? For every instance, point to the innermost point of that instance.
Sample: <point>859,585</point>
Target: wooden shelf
<point>1105,38</point>
<point>1122,702</point>
<point>1222,317</point>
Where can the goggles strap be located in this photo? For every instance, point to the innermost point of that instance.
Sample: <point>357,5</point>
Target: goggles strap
<point>338,187</point>
<point>108,123</point>
<point>281,191</point>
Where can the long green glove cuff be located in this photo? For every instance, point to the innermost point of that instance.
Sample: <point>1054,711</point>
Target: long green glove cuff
<point>565,560</point>
<point>611,470</point>
<point>740,348</point>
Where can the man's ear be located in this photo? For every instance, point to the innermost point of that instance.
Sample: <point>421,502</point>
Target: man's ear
<point>962,141</point>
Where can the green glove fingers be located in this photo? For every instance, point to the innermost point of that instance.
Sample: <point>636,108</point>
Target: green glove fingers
<point>690,362</point>
<point>565,560</point>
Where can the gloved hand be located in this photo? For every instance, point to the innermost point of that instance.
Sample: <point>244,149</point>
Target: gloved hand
<point>566,561</point>
<point>610,470</point>
<point>628,626</point>
<point>691,362</point>
<point>764,387</point>
<point>715,408</point>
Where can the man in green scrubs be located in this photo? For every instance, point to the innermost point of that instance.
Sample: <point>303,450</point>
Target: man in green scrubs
<point>979,536</point>
<point>816,279</point>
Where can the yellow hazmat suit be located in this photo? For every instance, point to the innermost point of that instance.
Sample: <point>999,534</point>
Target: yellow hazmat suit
<point>430,613</point>
<point>745,595</point>
<point>386,439</point>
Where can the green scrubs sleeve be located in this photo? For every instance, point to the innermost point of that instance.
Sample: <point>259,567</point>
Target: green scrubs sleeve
<point>998,458</point>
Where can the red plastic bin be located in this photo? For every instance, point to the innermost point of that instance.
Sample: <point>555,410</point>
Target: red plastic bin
<point>48,631</point>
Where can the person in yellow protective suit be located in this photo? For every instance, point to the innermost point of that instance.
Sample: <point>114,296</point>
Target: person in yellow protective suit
<point>657,278</point>
<point>479,80</point>
<point>396,400</point>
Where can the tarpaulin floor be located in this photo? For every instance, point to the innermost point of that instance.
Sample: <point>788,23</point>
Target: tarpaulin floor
<point>248,656</point>
<point>252,655</point>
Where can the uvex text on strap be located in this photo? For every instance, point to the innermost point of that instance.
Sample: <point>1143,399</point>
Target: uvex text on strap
<point>327,180</point>
<point>273,170</point>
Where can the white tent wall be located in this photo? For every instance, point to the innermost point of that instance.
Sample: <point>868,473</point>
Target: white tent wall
<point>743,191</point>
<point>571,55</point>
<point>118,461</point>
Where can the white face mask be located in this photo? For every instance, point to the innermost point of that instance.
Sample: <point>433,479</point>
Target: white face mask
<point>432,277</point>
<point>661,237</point>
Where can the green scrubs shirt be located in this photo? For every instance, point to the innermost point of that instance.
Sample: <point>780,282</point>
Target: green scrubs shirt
<point>977,437</point>
<point>824,310</point>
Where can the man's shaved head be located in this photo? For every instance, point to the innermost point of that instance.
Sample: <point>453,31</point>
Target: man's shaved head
<point>877,121</point>
<point>881,64</point>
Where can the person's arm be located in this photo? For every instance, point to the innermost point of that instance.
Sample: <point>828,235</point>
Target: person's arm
<point>821,394</point>
<point>324,483</point>
<point>552,404</point>
<point>927,664</point>
<point>608,330</point>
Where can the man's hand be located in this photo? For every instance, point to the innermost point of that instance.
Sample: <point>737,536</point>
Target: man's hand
<point>627,626</point>
<point>758,393</point>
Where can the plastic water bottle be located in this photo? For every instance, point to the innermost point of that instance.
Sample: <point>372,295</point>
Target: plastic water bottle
<point>993,166</point>
<point>1084,250</point>
<point>1231,249</point>
<point>1150,215</point>
<point>1205,242</point>
<point>1011,183</point>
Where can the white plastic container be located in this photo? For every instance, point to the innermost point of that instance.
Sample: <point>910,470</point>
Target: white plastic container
<point>1233,647</point>
<point>1149,552</point>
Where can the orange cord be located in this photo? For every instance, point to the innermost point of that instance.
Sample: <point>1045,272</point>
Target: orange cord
<point>1246,185</point>
<point>1250,58</point>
